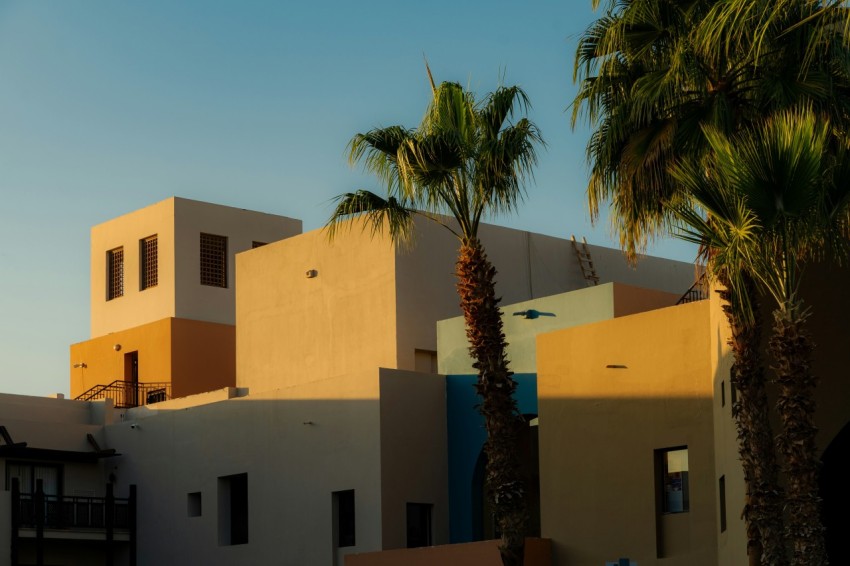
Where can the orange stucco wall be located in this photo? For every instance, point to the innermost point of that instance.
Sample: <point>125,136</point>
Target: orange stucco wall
<point>193,356</point>
<point>203,356</point>
<point>600,427</point>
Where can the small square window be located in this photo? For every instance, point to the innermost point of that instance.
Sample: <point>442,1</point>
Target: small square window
<point>213,260</point>
<point>193,501</point>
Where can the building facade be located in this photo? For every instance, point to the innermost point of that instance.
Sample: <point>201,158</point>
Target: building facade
<point>324,406</point>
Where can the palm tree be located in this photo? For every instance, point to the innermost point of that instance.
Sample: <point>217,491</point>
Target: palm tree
<point>775,200</point>
<point>653,74</point>
<point>466,159</point>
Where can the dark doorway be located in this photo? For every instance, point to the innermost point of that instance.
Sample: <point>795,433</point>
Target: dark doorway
<point>835,493</point>
<point>483,523</point>
<point>131,378</point>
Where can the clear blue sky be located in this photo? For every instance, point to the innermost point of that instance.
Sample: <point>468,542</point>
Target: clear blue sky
<point>107,106</point>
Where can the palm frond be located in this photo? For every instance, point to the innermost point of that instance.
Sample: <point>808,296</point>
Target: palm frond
<point>379,215</point>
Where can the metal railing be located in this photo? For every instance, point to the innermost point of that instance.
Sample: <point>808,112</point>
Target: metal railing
<point>128,394</point>
<point>697,292</point>
<point>72,512</point>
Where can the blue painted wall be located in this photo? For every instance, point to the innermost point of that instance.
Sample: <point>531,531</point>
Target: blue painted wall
<point>466,439</point>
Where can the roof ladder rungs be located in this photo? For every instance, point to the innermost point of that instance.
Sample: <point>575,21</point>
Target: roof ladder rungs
<point>588,271</point>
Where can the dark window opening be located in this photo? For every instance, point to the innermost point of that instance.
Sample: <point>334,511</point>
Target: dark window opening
<point>193,504</point>
<point>722,393</point>
<point>114,274</point>
<point>419,525</point>
<point>233,510</point>
<point>213,260</point>
<point>148,263</point>
<point>255,244</point>
<point>673,480</point>
<point>721,489</point>
<point>344,518</point>
<point>28,475</point>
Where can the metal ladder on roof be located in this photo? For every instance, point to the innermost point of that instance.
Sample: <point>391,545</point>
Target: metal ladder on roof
<point>588,271</point>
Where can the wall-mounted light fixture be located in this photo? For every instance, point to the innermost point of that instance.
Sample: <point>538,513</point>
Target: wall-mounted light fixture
<point>532,314</point>
<point>616,366</point>
<point>81,365</point>
<point>311,273</point>
<point>117,347</point>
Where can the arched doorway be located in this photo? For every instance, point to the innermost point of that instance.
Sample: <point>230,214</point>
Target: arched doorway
<point>835,493</point>
<point>483,525</point>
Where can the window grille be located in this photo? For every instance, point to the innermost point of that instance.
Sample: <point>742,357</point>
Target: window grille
<point>149,266</point>
<point>213,260</point>
<point>115,273</point>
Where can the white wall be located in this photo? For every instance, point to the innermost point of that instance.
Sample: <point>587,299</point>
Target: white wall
<point>177,223</point>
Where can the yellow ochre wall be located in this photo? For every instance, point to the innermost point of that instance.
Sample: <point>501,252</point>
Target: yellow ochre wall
<point>600,428</point>
<point>294,329</point>
<point>193,356</point>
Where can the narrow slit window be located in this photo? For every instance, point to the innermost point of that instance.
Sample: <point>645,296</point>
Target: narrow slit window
<point>344,518</point>
<point>233,510</point>
<point>114,273</point>
<point>149,262</point>
<point>721,490</point>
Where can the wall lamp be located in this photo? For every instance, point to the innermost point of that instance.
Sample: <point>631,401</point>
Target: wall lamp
<point>532,314</point>
<point>616,366</point>
<point>81,365</point>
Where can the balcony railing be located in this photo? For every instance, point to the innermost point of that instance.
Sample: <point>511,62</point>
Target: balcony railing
<point>52,516</point>
<point>73,512</point>
<point>128,394</point>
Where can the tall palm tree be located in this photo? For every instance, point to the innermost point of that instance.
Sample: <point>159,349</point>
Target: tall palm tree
<point>775,198</point>
<point>466,159</point>
<point>653,74</point>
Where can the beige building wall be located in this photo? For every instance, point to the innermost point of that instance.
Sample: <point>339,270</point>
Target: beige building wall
<point>294,329</point>
<point>297,446</point>
<point>379,432</point>
<point>375,305</point>
<point>54,424</point>
<point>414,453</point>
<point>823,291</point>
<point>611,394</point>
<point>177,224</point>
<point>193,356</point>
<point>564,310</point>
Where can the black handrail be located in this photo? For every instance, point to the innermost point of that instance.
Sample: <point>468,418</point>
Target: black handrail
<point>696,292</point>
<point>128,394</point>
<point>73,512</point>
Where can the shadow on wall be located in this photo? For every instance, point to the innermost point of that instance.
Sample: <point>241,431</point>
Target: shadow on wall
<point>629,477</point>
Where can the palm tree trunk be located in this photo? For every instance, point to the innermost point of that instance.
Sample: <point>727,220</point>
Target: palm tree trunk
<point>763,509</point>
<point>505,489</point>
<point>791,347</point>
